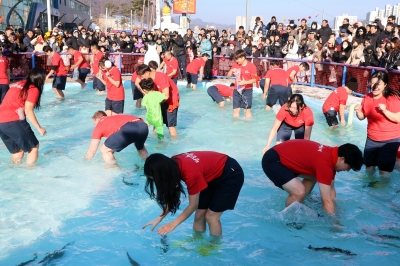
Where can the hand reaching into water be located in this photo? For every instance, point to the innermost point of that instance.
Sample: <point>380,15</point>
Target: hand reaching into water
<point>154,223</point>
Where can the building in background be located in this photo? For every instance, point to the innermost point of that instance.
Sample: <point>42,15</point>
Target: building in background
<point>383,14</point>
<point>241,21</point>
<point>339,21</point>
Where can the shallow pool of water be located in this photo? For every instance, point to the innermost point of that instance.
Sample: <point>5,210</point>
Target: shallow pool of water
<point>96,212</point>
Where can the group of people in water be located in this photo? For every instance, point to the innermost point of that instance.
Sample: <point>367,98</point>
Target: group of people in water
<point>213,180</point>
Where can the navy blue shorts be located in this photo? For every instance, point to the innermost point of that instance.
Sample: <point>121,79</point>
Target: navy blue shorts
<point>192,78</point>
<point>18,135</point>
<point>175,80</point>
<point>115,106</point>
<point>59,82</point>
<point>214,94</point>
<point>222,193</point>
<point>262,84</point>
<point>97,84</point>
<point>381,153</point>
<point>278,92</point>
<point>275,170</point>
<point>170,119</point>
<point>131,132</point>
<point>285,132</point>
<point>331,118</point>
<point>3,90</point>
<point>137,94</point>
<point>83,72</point>
<point>243,100</point>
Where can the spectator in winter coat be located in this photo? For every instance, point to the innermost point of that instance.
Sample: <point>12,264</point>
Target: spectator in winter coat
<point>370,58</point>
<point>361,34</point>
<point>346,26</point>
<point>374,35</point>
<point>387,33</point>
<point>27,41</point>
<point>71,40</point>
<point>260,26</point>
<point>356,54</point>
<point>324,32</point>
<point>344,53</point>
<point>206,48</point>
<point>83,40</point>
<point>103,42</point>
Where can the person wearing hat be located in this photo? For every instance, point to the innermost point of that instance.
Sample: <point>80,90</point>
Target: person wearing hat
<point>336,103</point>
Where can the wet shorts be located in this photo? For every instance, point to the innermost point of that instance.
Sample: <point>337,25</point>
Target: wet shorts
<point>83,72</point>
<point>170,119</point>
<point>59,82</point>
<point>243,100</point>
<point>275,170</point>
<point>222,193</point>
<point>3,90</point>
<point>278,92</point>
<point>214,94</point>
<point>97,84</point>
<point>285,132</point>
<point>381,153</point>
<point>18,135</point>
<point>192,78</point>
<point>131,132</point>
<point>115,106</point>
<point>262,84</point>
<point>331,118</point>
<point>137,94</point>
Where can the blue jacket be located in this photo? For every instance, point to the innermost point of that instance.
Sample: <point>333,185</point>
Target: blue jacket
<point>262,27</point>
<point>27,42</point>
<point>206,47</point>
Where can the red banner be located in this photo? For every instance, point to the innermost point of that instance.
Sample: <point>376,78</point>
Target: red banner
<point>184,6</point>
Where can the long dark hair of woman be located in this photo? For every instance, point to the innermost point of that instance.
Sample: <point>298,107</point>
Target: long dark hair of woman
<point>382,75</point>
<point>36,77</point>
<point>163,174</point>
<point>299,100</point>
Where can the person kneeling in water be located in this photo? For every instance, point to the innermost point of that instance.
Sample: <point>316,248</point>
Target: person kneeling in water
<point>213,180</point>
<point>219,92</point>
<point>120,131</point>
<point>318,163</point>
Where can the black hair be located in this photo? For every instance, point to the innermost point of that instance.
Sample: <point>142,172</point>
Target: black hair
<point>240,54</point>
<point>36,77</point>
<point>96,45</point>
<point>163,173</point>
<point>305,65</point>
<point>352,156</point>
<point>274,63</point>
<point>153,65</point>
<point>299,100</point>
<point>387,92</point>
<point>147,84</point>
<point>205,55</point>
<point>47,49</point>
<point>143,69</point>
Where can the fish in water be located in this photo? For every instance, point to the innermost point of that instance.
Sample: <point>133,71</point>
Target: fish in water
<point>129,184</point>
<point>29,261</point>
<point>338,250</point>
<point>295,225</point>
<point>50,257</point>
<point>165,245</point>
<point>132,262</point>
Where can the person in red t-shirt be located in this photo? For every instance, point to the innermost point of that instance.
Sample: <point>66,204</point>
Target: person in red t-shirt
<point>172,66</point>
<point>213,181</point>
<point>195,70</point>
<point>20,101</point>
<point>382,109</point>
<point>4,76</point>
<point>137,91</point>
<point>292,72</point>
<point>57,68</point>
<point>97,55</point>
<point>110,76</point>
<point>243,94</point>
<point>164,84</point>
<point>336,102</point>
<point>312,161</point>
<point>276,84</point>
<point>219,92</point>
<point>294,116</point>
<point>81,64</point>
<point>120,131</point>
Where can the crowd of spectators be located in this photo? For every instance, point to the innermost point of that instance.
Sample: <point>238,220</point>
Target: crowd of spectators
<point>370,45</point>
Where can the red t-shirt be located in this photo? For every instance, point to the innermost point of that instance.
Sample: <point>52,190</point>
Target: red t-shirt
<point>172,65</point>
<point>108,125</point>
<point>305,117</point>
<point>3,70</point>
<point>134,77</point>
<point>114,93</point>
<point>84,63</point>
<point>277,76</point>
<point>162,81</point>
<point>57,61</point>
<point>96,59</point>
<point>12,103</point>
<point>247,72</point>
<point>195,65</point>
<point>290,70</point>
<point>335,99</point>
<point>306,157</point>
<point>379,127</point>
<point>199,168</point>
<point>224,90</point>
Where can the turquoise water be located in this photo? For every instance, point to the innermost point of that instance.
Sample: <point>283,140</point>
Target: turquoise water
<point>96,212</point>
